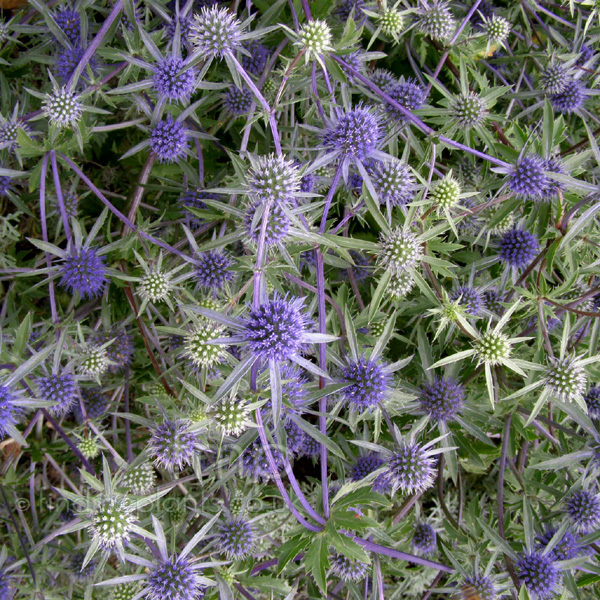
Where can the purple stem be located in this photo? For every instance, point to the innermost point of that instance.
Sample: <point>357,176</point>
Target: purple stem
<point>61,202</point>
<point>411,558</point>
<point>45,234</point>
<point>257,93</point>
<point>121,216</point>
<point>415,120</point>
<point>72,446</point>
<point>306,9</point>
<point>265,442</point>
<point>323,329</point>
<point>95,42</point>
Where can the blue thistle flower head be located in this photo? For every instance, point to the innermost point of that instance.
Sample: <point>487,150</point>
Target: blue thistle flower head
<point>84,272</point>
<point>69,22</point>
<point>365,465</point>
<point>592,400</point>
<point>236,538</point>
<point>362,265</point>
<point>311,448</point>
<point>274,179</point>
<point>567,547</point>
<point>483,585</point>
<point>173,579</point>
<point>194,198</point>
<point>121,350</point>
<point>172,81</point>
<point>254,463</point>
<point>94,402</point>
<point>67,60</point>
<point>295,438</point>
<point>61,390</point>
<point>173,445</point>
<point>383,79</point>
<point>518,247</point>
<point>570,99</point>
<point>539,574</point>
<point>469,298</point>
<point>491,301</point>
<point>442,399</point>
<point>424,538</point>
<point>5,186</point>
<point>278,224</point>
<point>6,587</point>
<point>368,381</point>
<point>394,182</point>
<point>293,390</point>
<point>9,130</point>
<point>585,53</point>
<point>10,413</point>
<point>276,329</point>
<point>169,140</point>
<point>213,269</point>
<point>185,28</point>
<point>552,187</point>
<point>583,508</point>
<point>351,8</point>
<point>356,133</point>
<point>527,177</point>
<point>554,78</point>
<point>237,101</point>
<point>411,468</point>
<point>348,569</point>
<point>255,61</point>
<point>409,94</point>
<point>216,31</point>
<point>79,573</point>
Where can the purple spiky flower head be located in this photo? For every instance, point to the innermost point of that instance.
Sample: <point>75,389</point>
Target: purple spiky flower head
<point>482,584</point>
<point>492,301</point>
<point>5,186</point>
<point>94,402</point>
<point>10,413</point>
<point>293,389</point>
<point>348,569</point>
<point>121,350</point>
<point>6,586</point>
<point>368,381</point>
<point>274,179</point>
<point>278,224</point>
<point>469,298</point>
<point>276,329</point>
<point>365,465</point>
<point>570,99</point>
<point>592,400</point>
<point>552,187</point>
<point>554,78</point>
<point>347,8</point>
<point>194,198</point>
<point>255,62</point>
<point>185,28</point>
<point>236,538</point>
<point>411,468</point>
<point>518,247</point>
<point>566,548</point>
<point>69,22</point>
<point>67,60</point>
<point>409,94</point>
<point>216,31</point>
<point>81,573</point>
<point>295,438</point>
<point>173,579</point>
<point>173,445</point>
<point>237,101</point>
<point>527,177</point>
<point>213,269</point>
<point>61,390</point>
<point>254,462</point>
<point>383,79</point>
<point>442,399</point>
<point>83,271</point>
<point>169,140</point>
<point>436,20</point>
<point>424,538</point>
<point>9,131</point>
<point>394,182</point>
<point>356,133</point>
<point>172,81</point>
<point>539,574</point>
<point>583,508</point>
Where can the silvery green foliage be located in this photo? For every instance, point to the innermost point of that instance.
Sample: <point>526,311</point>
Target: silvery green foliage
<point>299,301</point>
